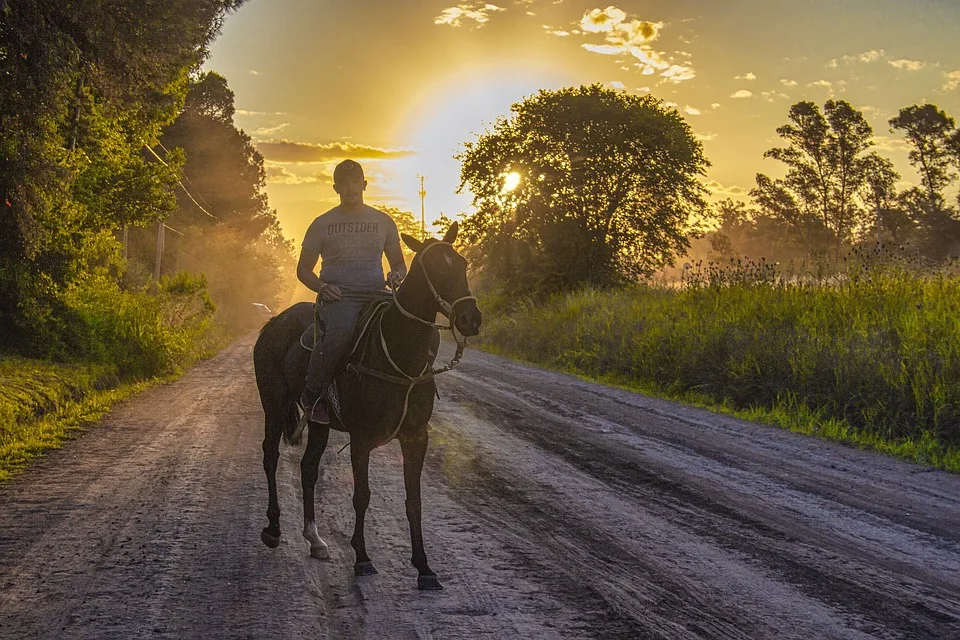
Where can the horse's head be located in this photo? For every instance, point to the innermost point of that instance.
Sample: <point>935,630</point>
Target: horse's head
<point>445,274</point>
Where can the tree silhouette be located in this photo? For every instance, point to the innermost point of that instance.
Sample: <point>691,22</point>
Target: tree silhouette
<point>825,170</point>
<point>607,184</point>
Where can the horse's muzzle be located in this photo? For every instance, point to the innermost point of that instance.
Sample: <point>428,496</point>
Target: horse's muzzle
<point>468,319</point>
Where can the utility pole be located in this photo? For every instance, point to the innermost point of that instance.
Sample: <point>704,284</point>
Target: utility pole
<point>160,228</point>
<point>423,219</point>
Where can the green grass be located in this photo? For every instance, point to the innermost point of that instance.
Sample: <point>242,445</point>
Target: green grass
<point>872,360</point>
<point>43,404</point>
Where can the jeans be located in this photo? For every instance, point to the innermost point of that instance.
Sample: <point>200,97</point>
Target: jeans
<point>338,320</point>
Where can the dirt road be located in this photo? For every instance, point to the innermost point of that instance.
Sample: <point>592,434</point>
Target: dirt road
<point>553,508</point>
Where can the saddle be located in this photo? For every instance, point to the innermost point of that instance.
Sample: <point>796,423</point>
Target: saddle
<point>314,334</point>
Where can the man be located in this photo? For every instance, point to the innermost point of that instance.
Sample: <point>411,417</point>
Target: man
<point>351,240</point>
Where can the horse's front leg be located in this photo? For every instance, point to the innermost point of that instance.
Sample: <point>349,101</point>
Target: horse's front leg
<point>309,470</point>
<point>273,430</point>
<point>414,447</point>
<point>360,460</point>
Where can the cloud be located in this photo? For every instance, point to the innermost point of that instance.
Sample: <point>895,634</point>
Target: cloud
<point>888,143</point>
<point>602,20</point>
<point>747,76</point>
<point>253,72</point>
<point>705,137</point>
<point>715,105</point>
<point>724,191</point>
<point>456,16</point>
<point>245,112</point>
<point>908,65</point>
<point>953,80</point>
<point>627,37</point>
<point>832,64</point>
<point>693,111</point>
<point>820,83</point>
<point>742,93</point>
<point>870,56</point>
<point>616,84</point>
<point>771,96</point>
<point>788,83</point>
<point>298,152</point>
<point>279,174</point>
<point>269,131</point>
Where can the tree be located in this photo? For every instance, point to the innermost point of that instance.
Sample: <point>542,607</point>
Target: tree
<point>879,194</point>
<point>223,170</point>
<point>582,186</point>
<point>825,170</point>
<point>928,130</point>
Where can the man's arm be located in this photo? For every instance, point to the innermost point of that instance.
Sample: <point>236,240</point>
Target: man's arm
<point>398,268</point>
<point>305,269</point>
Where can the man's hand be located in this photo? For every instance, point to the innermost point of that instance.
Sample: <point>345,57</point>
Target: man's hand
<point>329,293</point>
<point>394,278</point>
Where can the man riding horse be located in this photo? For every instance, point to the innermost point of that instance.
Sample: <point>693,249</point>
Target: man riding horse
<point>350,239</point>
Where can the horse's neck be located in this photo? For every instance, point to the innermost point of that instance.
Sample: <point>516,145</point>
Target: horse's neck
<point>407,339</point>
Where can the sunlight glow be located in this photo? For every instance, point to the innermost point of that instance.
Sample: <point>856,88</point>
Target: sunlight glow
<point>510,181</point>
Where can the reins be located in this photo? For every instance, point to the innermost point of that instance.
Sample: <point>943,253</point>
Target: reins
<point>449,310</point>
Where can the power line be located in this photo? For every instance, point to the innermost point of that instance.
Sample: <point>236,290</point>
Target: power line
<point>150,149</point>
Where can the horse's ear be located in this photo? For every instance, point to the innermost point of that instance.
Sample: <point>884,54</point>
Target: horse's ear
<point>414,244</point>
<point>451,234</point>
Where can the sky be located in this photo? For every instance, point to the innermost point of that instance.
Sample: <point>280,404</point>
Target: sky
<point>400,86</point>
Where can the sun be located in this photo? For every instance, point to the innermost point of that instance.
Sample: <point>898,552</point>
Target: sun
<point>510,181</point>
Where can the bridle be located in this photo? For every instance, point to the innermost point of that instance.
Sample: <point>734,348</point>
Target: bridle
<point>448,309</point>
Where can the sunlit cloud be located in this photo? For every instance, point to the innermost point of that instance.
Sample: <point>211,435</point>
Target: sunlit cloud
<point>615,84</point>
<point>771,96</point>
<point>693,111</point>
<point>742,93</point>
<point>478,12</point>
<point>246,112</point>
<point>788,83</point>
<point>871,56</point>
<point>253,72</point>
<point>269,131</point>
<point>726,191</point>
<point>908,65</point>
<point>279,174</point>
<point>820,83</point>
<point>889,143</point>
<point>715,105</point>
<point>705,137</point>
<point>747,76</point>
<point>299,152</point>
<point>623,37</point>
<point>953,80</point>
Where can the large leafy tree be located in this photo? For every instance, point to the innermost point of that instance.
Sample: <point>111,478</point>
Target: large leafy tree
<point>582,185</point>
<point>83,86</point>
<point>824,157</point>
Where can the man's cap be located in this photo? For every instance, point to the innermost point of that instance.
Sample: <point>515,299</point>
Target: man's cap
<point>347,169</point>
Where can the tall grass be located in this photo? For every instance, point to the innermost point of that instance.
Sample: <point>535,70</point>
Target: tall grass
<point>872,356</point>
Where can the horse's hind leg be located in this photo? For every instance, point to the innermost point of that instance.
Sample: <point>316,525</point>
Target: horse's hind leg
<point>309,470</point>
<point>360,461</point>
<point>273,430</point>
<point>414,449</point>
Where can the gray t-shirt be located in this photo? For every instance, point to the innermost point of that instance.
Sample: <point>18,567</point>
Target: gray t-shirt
<point>351,246</point>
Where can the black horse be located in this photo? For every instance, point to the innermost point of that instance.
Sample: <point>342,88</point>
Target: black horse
<point>385,388</point>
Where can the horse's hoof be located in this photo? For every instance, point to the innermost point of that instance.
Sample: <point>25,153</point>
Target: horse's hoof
<point>320,552</point>
<point>272,541</point>
<point>364,569</point>
<point>429,583</point>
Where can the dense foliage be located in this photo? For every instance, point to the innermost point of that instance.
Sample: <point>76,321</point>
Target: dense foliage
<point>103,128</point>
